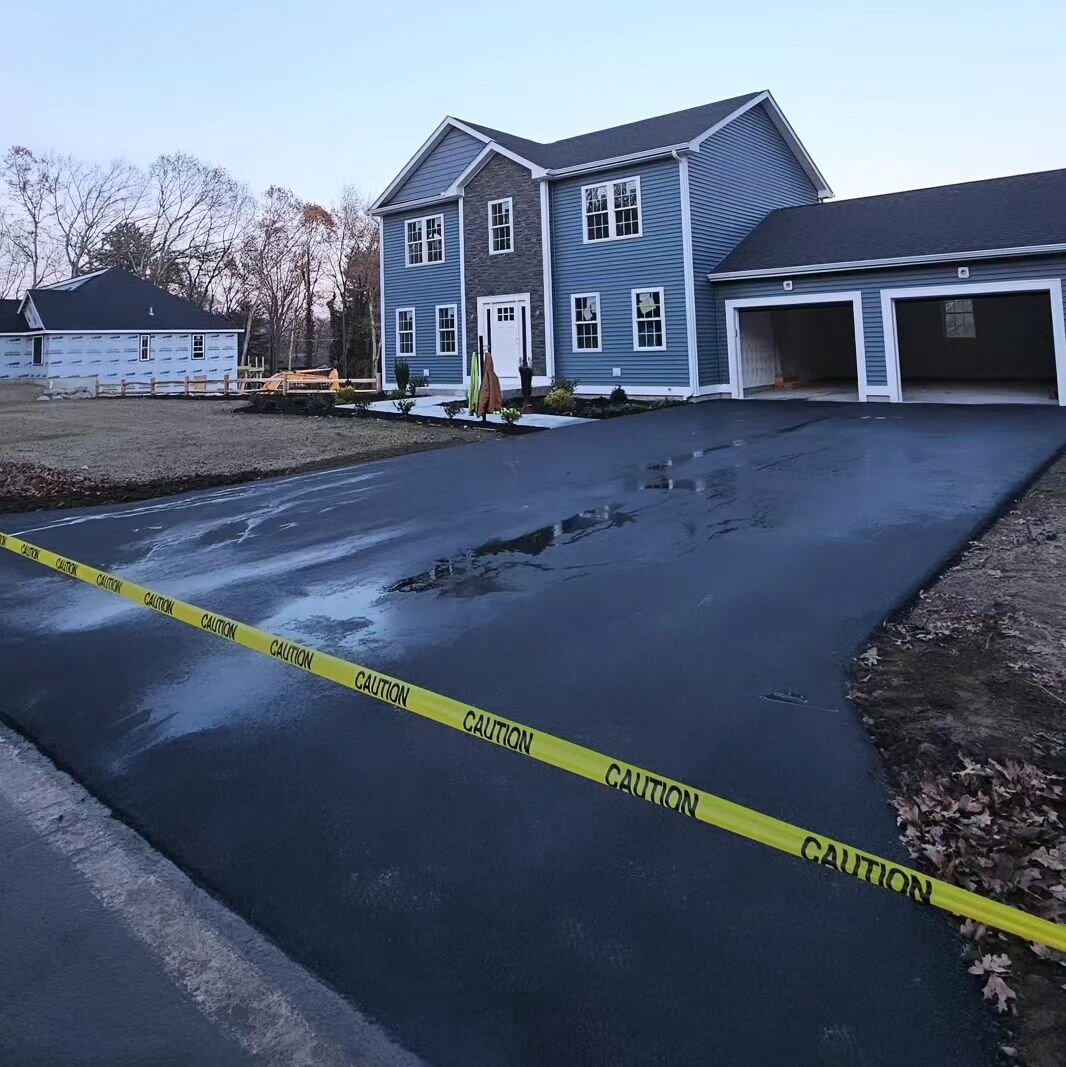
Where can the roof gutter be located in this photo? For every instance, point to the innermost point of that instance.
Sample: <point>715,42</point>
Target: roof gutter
<point>876,264</point>
<point>616,161</point>
<point>413,205</point>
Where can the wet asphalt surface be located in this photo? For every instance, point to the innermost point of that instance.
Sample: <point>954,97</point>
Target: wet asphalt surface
<point>682,589</point>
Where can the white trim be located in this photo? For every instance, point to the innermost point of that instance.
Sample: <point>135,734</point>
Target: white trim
<point>546,264</point>
<point>381,299</point>
<point>433,202</point>
<point>509,201</point>
<point>895,261</point>
<point>474,167</point>
<point>612,224</point>
<point>425,261</point>
<point>720,389</point>
<point>461,335</point>
<point>732,324</point>
<point>536,170</point>
<point>436,327</point>
<point>573,325</point>
<point>1052,286</point>
<point>690,277</point>
<point>519,300</point>
<point>96,330</point>
<point>615,161</point>
<point>414,335</point>
<point>427,146</point>
<point>662,316</point>
<point>784,127</point>
<point>144,350</point>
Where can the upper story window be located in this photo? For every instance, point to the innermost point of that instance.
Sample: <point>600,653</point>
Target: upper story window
<point>501,230</point>
<point>649,324</point>
<point>146,346</point>
<point>425,240</point>
<point>959,319</point>
<point>612,209</point>
<point>585,322</point>
<point>197,346</point>
<point>405,331</point>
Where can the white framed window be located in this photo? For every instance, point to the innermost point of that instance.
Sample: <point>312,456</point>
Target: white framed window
<point>38,351</point>
<point>146,346</point>
<point>197,346</point>
<point>585,322</point>
<point>405,331</point>
<point>959,319</point>
<point>611,210</point>
<point>648,307</point>
<point>424,240</point>
<point>447,333</point>
<point>501,228</point>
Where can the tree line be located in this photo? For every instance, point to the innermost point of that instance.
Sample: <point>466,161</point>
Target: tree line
<point>300,278</point>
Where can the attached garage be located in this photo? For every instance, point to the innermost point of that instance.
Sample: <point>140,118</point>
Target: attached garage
<point>797,347</point>
<point>956,295</point>
<point>974,343</point>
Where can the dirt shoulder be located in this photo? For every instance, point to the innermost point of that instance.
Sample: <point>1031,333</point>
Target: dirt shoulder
<point>68,453</point>
<point>965,695</point>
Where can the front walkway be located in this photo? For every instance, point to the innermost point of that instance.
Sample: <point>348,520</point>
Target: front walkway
<point>432,407</point>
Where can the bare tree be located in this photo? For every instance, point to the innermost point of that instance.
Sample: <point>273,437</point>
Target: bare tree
<point>271,259</point>
<point>316,225</point>
<point>87,202</point>
<point>352,271</point>
<point>26,178</point>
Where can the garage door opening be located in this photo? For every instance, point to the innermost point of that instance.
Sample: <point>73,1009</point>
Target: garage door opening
<point>798,351</point>
<point>977,348</point>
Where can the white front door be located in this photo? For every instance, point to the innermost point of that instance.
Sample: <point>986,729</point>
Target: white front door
<point>758,353</point>
<point>505,336</point>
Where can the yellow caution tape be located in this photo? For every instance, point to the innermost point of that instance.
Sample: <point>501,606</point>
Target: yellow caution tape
<point>585,762</point>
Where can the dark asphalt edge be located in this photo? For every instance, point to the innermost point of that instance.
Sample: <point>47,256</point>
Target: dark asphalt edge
<point>311,973</point>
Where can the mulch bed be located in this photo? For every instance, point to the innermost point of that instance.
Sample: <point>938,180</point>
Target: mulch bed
<point>965,696</point>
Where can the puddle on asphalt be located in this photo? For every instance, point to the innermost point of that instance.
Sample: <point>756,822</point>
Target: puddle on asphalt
<point>483,569</point>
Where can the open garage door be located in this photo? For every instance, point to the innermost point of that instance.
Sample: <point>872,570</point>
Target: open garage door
<point>965,344</point>
<point>796,348</point>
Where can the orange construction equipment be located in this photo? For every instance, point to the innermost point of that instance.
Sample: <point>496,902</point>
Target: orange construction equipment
<point>316,379</point>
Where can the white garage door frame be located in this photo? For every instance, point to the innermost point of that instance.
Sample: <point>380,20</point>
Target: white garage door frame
<point>768,303</point>
<point>1051,286</point>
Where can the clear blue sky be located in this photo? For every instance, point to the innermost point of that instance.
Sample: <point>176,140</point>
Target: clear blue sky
<point>320,93</point>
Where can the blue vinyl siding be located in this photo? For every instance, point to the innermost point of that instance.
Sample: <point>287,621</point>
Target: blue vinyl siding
<point>612,269</point>
<point>452,155</point>
<point>738,177</point>
<point>870,283</point>
<point>423,288</point>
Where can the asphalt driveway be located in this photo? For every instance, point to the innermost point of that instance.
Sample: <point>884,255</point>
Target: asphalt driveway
<point>681,589</point>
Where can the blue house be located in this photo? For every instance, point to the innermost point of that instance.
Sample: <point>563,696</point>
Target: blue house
<point>693,255</point>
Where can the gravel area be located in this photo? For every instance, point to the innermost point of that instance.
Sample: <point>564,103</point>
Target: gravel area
<point>57,453</point>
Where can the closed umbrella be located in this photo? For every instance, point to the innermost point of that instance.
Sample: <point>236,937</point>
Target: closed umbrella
<point>474,395</point>
<point>491,398</point>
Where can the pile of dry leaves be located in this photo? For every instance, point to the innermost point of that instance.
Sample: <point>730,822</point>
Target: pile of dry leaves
<point>997,829</point>
<point>29,486</point>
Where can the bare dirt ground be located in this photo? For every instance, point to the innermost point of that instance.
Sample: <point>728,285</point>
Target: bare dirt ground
<point>64,453</point>
<point>965,695</point>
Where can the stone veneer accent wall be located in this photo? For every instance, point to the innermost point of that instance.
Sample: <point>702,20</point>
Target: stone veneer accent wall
<point>520,271</point>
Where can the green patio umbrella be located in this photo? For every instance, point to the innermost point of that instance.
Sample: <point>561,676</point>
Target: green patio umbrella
<point>474,394</point>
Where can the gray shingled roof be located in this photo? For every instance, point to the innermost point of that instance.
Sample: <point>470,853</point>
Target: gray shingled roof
<point>642,136</point>
<point>10,319</point>
<point>117,300</point>
<point>1015,212</point>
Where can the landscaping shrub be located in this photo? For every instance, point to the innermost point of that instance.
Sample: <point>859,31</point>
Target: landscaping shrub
<point>618,395</point>
<point>510,415</point>
<point>453,408</point>
<point>525,373</point>
<point>294,404</point>
<point>404,406</point>
<point>566,385</point>
<point>350,395</point>
<point>403,376</point>
<point>418,381</point>
<point>560,401</point>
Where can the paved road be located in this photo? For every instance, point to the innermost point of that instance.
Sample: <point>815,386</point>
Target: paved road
<point>650,587</point>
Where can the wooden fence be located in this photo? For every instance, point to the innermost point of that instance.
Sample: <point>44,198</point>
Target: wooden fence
<point>231,387</point>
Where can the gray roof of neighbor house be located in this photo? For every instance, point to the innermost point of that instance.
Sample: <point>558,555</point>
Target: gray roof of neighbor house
<point>113,299</point>
<point>645,135</point>
<point>10,319</point>
<point>1021,211</point>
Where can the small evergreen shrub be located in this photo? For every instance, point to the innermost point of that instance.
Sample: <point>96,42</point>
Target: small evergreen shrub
<point>560,401</point>
<point>403,376</point>
<point>618,395</point>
